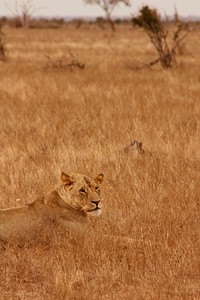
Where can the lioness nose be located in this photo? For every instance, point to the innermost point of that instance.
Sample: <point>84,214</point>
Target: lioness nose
<point>96,202</point>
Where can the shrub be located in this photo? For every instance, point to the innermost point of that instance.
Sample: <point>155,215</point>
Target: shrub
<point>2,45</point>
<point>150,20</point>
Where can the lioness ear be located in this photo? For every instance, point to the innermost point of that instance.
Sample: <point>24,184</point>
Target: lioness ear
<point>66,179</point>
<point>99,178</point>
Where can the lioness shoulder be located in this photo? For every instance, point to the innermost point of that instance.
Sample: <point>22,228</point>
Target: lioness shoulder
<point>69,203</point>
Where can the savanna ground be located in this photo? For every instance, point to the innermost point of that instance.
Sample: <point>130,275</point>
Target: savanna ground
<point>54,119</point>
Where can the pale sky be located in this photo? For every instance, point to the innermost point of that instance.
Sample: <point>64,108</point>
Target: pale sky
<point>62,8</point>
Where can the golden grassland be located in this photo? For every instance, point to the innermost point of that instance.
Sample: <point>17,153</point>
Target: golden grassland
<point>54,119</point>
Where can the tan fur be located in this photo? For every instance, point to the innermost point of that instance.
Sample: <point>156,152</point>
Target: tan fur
<point>67,205</point>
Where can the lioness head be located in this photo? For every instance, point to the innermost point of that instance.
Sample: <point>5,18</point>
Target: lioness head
<point>82,193</point>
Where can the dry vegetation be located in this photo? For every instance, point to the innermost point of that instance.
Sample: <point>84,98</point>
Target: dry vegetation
<point>80,120</point>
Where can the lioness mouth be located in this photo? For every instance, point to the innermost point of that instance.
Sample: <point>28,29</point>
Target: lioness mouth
<point>96,208</point>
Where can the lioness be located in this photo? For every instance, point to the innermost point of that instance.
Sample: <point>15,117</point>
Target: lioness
<point>67,205</point>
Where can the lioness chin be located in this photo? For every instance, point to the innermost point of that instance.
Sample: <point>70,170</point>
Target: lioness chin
<point>68,205</point>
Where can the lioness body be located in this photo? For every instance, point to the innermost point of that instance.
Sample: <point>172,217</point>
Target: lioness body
<point>68,205</point>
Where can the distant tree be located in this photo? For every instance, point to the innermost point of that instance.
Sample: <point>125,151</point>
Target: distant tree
<point>150,20</point>
<point>23,10</point>
<point>108,6</point>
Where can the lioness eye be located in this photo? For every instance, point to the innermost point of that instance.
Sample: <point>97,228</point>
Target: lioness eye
<point>97,188</point>
<point>83,191</point>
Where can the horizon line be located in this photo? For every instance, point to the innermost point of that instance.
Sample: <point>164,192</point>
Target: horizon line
<point>93,17</point>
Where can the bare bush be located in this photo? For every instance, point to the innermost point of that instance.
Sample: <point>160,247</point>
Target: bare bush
<point>70,62</point>
<point>181,48</point>
<point>167,48</point>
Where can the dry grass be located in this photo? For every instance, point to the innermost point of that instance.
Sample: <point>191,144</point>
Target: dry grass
<point>53,120</point>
